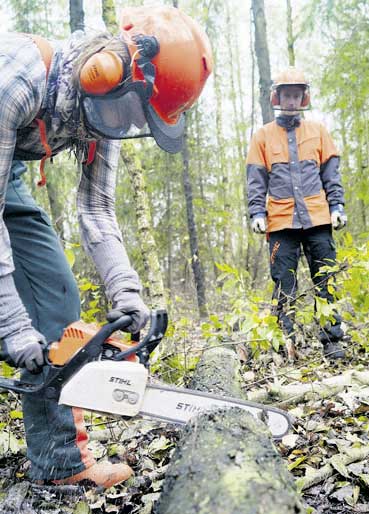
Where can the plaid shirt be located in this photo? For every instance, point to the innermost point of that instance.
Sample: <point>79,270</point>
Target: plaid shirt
<point>22,95</point>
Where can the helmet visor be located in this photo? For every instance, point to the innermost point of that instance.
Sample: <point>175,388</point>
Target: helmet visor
<point>126,114</point>
<point>116,117</point>
<point>168,137</point>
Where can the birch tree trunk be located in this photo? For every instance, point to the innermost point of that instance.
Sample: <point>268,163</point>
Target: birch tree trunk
<point>145,236</point>
<point>290,36</point>
<point>109,16</point>
<point>262,56</point>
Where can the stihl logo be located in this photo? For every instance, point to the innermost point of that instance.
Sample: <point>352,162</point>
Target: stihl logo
<point>117,380</point>
<point>187,407</point>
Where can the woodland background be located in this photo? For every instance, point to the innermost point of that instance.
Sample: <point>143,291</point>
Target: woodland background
<point>186,229</point>
<point>184,217</point>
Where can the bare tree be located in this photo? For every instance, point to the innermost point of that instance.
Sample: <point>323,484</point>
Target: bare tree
<point>290,36</point>
<point>262,56</point>
<point>109,15</point>
<point>197,269</point>
<point>76,15</point>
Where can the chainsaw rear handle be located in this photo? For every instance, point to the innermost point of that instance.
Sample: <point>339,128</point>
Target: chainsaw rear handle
<point>58,376</point>
<point>106,331</point>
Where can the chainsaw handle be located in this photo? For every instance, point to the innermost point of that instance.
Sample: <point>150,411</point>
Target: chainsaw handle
<point>158,326</point>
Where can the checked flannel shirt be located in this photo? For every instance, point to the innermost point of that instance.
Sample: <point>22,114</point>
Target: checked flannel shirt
<point>23,94</point>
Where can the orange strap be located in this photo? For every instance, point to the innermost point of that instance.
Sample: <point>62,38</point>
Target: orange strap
<point>48,151</point>
<point>46,51</point>
<point>45,48</point>
<point>91,153</point>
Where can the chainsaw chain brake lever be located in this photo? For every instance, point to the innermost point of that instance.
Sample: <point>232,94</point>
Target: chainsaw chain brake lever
<point>158,326</point>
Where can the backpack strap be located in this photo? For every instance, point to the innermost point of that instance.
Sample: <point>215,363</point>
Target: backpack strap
<point>47,52</point>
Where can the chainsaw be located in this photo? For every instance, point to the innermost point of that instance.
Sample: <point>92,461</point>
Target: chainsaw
<point>93,369</point>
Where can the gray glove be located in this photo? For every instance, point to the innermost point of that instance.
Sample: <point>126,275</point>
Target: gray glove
<point>258,224</point>
<point>25,349</point>
<point>130,302</point>
<point>22,345</point>
<point>338,217</point>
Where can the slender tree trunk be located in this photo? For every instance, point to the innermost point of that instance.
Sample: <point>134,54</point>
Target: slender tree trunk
<point>169,225</point>
<point>145,236</point>
<point>200,170</point>
<point>262,55</point>
<point>290,36</point>
<point>109,16</point>
<point>223,164</point>
<point>197,268</point>
<point>56,202</point>
<point>76,15</point>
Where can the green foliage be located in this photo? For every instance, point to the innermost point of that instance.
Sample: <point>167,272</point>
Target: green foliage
<point>247,312</point>
<point>91,297</point>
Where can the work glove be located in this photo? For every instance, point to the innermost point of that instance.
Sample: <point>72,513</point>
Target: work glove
<point>258,224</point>
<point>25,349</point>
<point>131,303</point>
<point>338,217</point>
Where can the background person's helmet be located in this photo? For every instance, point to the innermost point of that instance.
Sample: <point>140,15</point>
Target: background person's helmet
<point>290,77</point>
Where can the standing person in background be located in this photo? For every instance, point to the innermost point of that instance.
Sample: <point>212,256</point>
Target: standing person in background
<point>295,195</point>
<point>85,95</point>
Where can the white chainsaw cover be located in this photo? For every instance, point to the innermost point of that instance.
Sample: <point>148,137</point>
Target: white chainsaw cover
<point>107,386</point>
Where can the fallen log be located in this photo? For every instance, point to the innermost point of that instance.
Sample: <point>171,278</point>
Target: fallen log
<point>297,392</point>
<point>314,476</point>
<point>225,460</point>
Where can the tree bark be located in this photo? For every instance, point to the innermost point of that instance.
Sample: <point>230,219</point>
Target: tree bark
<point>290,36</point>
<point>76,15</point>
<point>262,56</point>
<point>225,460</point>
<point>197,269</point>
<point>146,239</point>
<point>109,16</point>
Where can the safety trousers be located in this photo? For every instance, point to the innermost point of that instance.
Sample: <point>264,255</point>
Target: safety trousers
<point>285,251</point>
<point>55,434</point>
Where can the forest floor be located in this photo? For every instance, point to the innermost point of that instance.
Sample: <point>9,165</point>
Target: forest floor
<point>330,434</point>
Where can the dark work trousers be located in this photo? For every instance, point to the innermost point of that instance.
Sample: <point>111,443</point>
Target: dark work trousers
<point>55,434</point>
<point>285,251</point>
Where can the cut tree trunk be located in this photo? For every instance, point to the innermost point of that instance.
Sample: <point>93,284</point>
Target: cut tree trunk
<point>225,460</point>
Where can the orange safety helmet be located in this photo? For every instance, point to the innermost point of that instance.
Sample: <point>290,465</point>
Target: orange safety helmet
<point>171,59</point>
<point>290,77</point>
<point>183,63</point>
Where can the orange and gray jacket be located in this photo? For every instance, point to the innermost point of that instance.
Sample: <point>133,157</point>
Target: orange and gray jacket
<point>293,174</point>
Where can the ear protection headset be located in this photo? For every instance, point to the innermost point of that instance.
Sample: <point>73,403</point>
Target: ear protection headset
<point>105,70</point>
<point>274,95</point>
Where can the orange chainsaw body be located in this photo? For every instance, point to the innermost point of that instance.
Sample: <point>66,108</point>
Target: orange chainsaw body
<point>77,335</point>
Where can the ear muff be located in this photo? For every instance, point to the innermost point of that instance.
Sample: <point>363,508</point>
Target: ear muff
<point>306,98</point>
<point>101,73</point>
<point>274,97</point>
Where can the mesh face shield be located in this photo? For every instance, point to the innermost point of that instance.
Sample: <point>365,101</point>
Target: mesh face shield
<point>126,113</point>
<point>116,116</point>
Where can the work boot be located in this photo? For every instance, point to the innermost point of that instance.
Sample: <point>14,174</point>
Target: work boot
<point>103,474</point>
<point>333,350</point>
